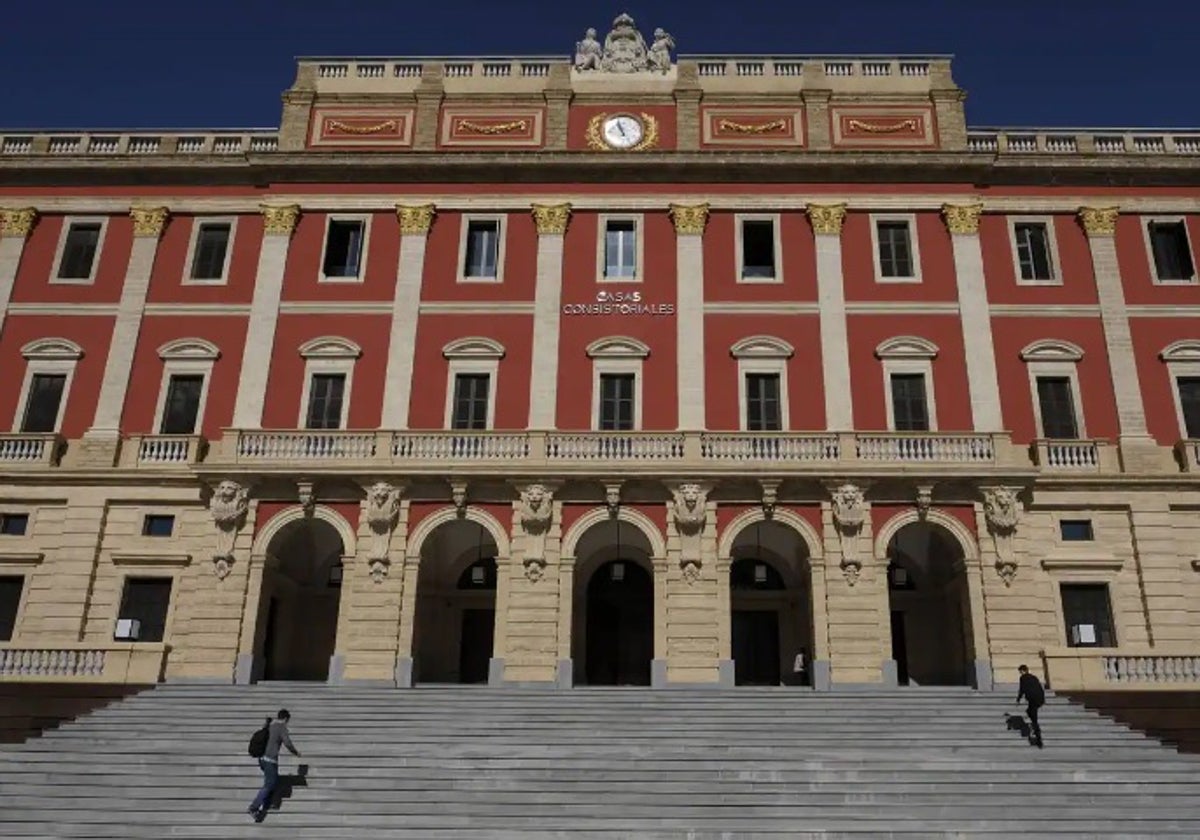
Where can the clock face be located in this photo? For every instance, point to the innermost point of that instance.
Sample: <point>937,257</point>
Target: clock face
<point>622,132</point>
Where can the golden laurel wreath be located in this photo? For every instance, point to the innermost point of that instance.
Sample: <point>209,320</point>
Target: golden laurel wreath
<point>757,128</point>
<point>859,125</point>
<point>498,128</point>
<point>362,129</point>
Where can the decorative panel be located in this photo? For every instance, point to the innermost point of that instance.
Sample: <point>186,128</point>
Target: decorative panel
<point>362,126</point>
<point>487,127</point>
<point>761,127</point>
<point>883,127</point>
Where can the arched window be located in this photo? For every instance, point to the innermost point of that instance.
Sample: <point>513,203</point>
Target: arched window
<point>1054,386</point>
<point>49,371</point>
<point>617,382</point>
<point>183,391</point>
<point>328,375</point>
<point>762,382</point>
<point>908,383</point>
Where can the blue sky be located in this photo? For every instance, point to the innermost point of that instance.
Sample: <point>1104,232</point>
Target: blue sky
<point>223,63</point>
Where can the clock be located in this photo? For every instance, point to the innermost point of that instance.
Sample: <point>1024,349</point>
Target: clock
<point>622,131</point>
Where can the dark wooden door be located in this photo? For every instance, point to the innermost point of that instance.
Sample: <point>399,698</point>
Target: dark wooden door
<point>755,647</point>
<point>900,647</point>
<point>620,625</point>
<point>478,629</point>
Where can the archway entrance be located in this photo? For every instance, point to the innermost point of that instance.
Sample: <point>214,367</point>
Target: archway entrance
<point>929,600</point>
<point>301,594</point>
<point>455,622</point>
<point>769,601</point>
<point>614,625</point>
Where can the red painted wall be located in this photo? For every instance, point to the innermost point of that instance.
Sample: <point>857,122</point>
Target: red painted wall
<point>268,510</point>
<point>882,514</point>
<point>420,511</point>
<point>1074,265</point>
<point>937,262</point>
<point>173,262</point>
<point>1150,337</point>
<point>726,513</point>
<point>1136,264</point>
<point>301,279</point>
<point>799,258</point>
<point>37,265</point>
<point>572,513</point>
<point>442,258</point>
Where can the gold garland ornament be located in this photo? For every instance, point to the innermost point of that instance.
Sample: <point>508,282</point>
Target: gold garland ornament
<point>595,135</point>
<point>386,125</point>
<point>858,125</point>
<point>499,128</point>
<point>757,128</point>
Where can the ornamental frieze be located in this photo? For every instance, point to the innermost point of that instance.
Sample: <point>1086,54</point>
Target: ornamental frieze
<point>882,127</point>
<point>752,127</point>
<point>364,126</point>
<point>517,128</point>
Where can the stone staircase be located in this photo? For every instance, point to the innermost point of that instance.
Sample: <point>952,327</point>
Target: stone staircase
<point>443,762</point>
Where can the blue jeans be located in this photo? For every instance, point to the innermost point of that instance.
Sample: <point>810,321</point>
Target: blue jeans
<point>270,770</point>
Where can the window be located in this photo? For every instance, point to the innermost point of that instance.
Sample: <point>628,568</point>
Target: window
<point>80,245</point>
<point>617,402</point>
<point>11,587</point>
<point>1076,530</point>
<point>1170,251</point>
<point>182,406</point>
<point>1188,388</point>
<point>210,250</point>
<point>158,525</point>
<point>470,401</point>
<point>1088,615</point>
<point>146,600</point>
<point>1035,259</point>
<point>481,249</point>
<point>910,410</point>
<point>344,248</point>
<point>325,395</point>
<point>14,524</point>
<point>620,249</point>
<point>1057,408</point>
<point>43,403</point>
<point>617,363</point>
<point>758,249</point>
<point>762,403</point>
<point>895,250</point>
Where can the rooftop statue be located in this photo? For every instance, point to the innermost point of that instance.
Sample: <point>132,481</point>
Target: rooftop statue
<point>624,50</point>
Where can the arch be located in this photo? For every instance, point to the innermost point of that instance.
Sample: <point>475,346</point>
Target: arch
<point>1186,350</point>
<point>287,516</point>
<point>52,348</point>
<point>431,523</point>
<point>951,524</point>
<point>785,517</point>
<point>474,347</point>
<point>188,349</point>
<point>1051,349</point>
<point>618,347</point>
<point>762,347</point>
<point>330,347</point>
<point>658,546</point>
<point>906,347</point>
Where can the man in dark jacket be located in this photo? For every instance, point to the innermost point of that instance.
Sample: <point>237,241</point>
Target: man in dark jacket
<point>269,763</point>
<point>1031,689</point>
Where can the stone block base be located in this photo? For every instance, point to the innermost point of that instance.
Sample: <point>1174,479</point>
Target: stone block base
<point>495,671</point>
<point>404,672</point>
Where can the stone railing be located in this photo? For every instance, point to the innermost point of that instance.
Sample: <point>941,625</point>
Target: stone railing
<point>470,446</point>
<point>1093,669</point>
<point>1083,141</point>
<point>1188,454</point>
<point>30,450</point>
<point>615,446</point>
<point>137,144</point>
<point>909,447</point>
<point>120,662</point>
<point>770,446</point>
<point>832,67</point>
<point>383,71</point>
<point>1095,456</point>
<point>161,451</point>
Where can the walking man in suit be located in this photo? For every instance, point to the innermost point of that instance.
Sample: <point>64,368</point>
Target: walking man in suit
<point>1031,690</point>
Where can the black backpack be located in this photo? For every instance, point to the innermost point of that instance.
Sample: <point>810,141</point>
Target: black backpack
<point>258,741</point>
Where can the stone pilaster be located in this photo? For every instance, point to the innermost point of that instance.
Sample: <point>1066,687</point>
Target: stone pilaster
<point>15,227</point>
<point>415,222</point>
<point>1164,571</point>
<point>101,440</point>
<point>983,384</point>
<point>690,221</point>
<point>856,602</point>
<point>558,95</point>
<point>529,612</point>
<point>429,93</point>
<point>687,107</point>
<point>692,604</point>
<point>278,224</point>
<point>551,220</point>
<point>835,345</point>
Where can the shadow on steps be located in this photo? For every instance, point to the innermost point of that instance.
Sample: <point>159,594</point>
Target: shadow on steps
<point>27,709</point>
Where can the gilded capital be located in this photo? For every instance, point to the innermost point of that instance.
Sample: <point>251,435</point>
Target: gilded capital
<point>1099,221</point>
<point>689,219</point>
<point>17,222</point>
<point>827,219</point>
<point>280,221</point>
<point>551,218</point>
<point>962,218</point>
<point>148,221</point>
<point>415,220</point>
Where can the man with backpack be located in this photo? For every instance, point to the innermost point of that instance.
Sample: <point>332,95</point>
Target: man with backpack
<point>1031,689</point>
<point>264,745</point>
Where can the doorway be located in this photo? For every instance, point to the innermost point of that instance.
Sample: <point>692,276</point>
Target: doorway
<point>620,624</point>
<point>756,647</point>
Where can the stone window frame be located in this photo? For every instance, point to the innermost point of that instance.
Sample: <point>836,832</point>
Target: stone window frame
<point>20,510</point>
<point>914,240</point>
<point>56,266</point>
<point>1084,572</point>
<point>1050,357</point>
<point>328,355</point>
<point>193,237</point>
<point>738,246</point>
<point>1182,359</point>
<point>53,356</point>
<point>366,219</point>
<point>639,244</point>
<point>473,355</point>
<point>618,354</point>
<point>185,357</point>
<point>1056,274</point>
<point>763,354</point>
<point>908,354</point>
<point>159,565</point>
<point>501,220</point>
<point>25,566</point>
<point>1145,221</point>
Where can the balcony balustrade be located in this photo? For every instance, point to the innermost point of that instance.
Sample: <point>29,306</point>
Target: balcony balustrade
<point>1163,667</point>
<point>162,451</point>
<point>29,450</point>
<point>1076,456</point>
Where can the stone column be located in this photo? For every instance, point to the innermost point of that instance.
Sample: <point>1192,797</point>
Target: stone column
<point>726,668</point>
<point>658,665</point>
<point>1139,452</point>
<point>983,384</point>
<point>409,575</point>
<point>278,224</point>
<point>819,611</point>
<point>101,440</point>
<point>402,344</point>
<point>689,313</point>
<point>856,592</point>
<point>835,346</point>
<point>564,673</point>
<point>15,226</point>
<point>527,617</point>
<point>551,220</point>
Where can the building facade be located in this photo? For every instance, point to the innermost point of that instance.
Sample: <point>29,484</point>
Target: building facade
<point>628,369</point>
